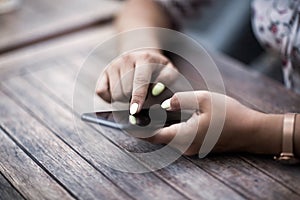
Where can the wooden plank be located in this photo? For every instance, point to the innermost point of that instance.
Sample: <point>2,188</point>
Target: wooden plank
<point>7,191</point>
<point>35,21</point>
<point>180,174</point>
<point>255,182</point>
<point>146,185</point>
<point>284,174</point>
<point>260,93</point>
<point>247,96</point>
<point>82,42</point>
<point>266,94</point>
<point>72,171</point>
<point>24,174</point>
<point>48,78</point>
<point>262,176</point>
<point>183,172</point>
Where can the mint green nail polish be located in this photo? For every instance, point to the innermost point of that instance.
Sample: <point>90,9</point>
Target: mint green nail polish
<point>132,119</point>
<point>166,104</point>
<point>158,89</point>
<point>134,108</point>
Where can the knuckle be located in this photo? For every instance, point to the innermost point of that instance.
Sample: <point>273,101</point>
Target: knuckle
<point>116,96</point>
<point>164,60</point>
<point>146,55</point>
<point>101,91</point>
<point>175,101</point>
<point>167,76</point>
<point>204,96</point>
<point>127,58</point>
<point>137,96</point>
<point>140,81</point>
<point>192,150</point>
<point>127,90</point>
<point>104,95</point>
<point>110,68</point>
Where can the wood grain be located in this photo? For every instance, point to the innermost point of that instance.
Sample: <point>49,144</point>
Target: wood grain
<point>240,176</point>
<point>7,191</point>
<point>72,171</point>
<point>58,119</point>
<point>262,92</point>
<point>284,174</point>
<point>180,175</point>
<point>51,75</point>
<point>13,63</point>
<point>24,174</point>
<point>39,20</point>
<point>252,176</point>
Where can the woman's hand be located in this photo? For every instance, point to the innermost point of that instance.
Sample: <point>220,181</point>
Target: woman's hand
<point>130,75</point>
<point>245,130</point>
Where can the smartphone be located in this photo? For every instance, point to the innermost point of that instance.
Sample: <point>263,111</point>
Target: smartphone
<point>146,119</point>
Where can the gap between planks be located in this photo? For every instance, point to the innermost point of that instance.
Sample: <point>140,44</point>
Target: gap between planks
<point>8,191</point>
<point>38,174</point>
<point>49,95</point>
<point>70,183</point>
<point>137,177</point>
<point>266,174</point>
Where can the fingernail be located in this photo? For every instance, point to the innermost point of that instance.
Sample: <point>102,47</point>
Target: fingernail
<point>166,104</point>
<point>158,89</point>
<point>134,108</point>
<point>132,119</point>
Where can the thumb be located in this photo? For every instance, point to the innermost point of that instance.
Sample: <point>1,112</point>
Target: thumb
<point>192,100</point>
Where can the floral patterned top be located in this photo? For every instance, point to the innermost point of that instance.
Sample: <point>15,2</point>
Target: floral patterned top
<point>275,23</point>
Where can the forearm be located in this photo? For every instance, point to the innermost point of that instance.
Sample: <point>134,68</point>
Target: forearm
<point>267,137</point>
<point>141,13</point>
<point>138,14</point>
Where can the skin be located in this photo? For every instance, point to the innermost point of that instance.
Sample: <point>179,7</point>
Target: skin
<point>132,68</point>
<point>251,133</point>
<point>254,132</point>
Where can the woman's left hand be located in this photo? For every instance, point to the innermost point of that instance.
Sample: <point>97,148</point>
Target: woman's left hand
<point>245,130</point>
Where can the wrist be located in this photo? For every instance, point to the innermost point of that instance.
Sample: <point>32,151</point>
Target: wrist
<point>132,41</point>
<point>266,136</point>
<point>297,137</point>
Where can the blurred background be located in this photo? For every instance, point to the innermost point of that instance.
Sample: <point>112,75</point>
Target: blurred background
<point>223,26</point>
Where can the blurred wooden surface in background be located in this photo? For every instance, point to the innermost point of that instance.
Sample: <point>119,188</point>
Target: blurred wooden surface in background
<point>38,20</point>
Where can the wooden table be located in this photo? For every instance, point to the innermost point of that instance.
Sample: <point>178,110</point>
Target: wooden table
<point>42,157</point>
<point>39,20</point>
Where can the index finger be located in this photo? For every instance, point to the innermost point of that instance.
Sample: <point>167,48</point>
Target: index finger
<point>141,81</point>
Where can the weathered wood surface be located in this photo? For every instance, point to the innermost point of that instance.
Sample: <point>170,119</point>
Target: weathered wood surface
<point>13,63</point>
<point>61,121</point>
<point>39,88</point>
<point>25,174</point>
<point>65,75</point>
<point>68,168</point>
<point>182,173</point>
<point>42,19</point>
<point>7,191</point>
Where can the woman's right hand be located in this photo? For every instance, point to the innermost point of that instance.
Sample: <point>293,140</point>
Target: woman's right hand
<point>129,76</point>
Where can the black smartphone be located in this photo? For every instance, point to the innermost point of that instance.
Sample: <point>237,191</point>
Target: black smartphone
<point>146,119</point>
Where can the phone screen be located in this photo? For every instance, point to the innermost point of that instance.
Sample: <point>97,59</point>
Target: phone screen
<point>146,119</point>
